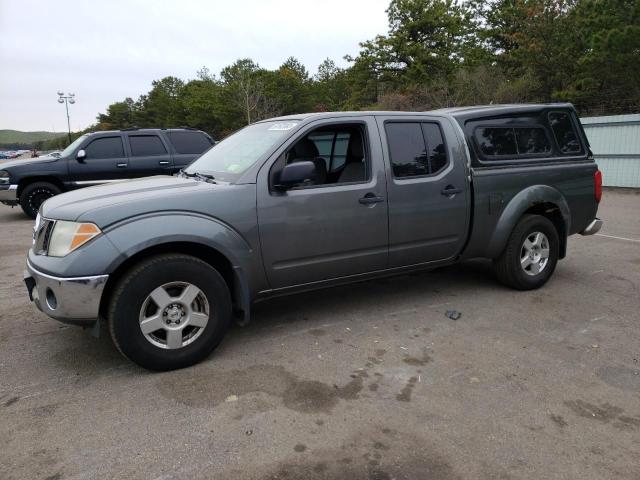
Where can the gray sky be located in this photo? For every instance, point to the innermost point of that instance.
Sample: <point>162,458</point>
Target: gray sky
<point>106,50</point>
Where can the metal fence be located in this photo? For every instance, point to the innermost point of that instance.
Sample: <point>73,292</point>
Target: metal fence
<point>615,142</point>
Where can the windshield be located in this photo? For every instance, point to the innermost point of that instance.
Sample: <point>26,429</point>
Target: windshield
<point>236,153</point>
<point>69,150</point>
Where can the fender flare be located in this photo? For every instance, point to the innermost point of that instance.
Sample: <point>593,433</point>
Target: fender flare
<point>136,234</point>
<point>517,206</point>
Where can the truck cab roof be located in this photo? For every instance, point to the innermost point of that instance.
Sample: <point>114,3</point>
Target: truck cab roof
<point>460,113</point>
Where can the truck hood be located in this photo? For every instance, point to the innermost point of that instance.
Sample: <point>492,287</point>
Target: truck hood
<point>107,204</point>
<point>25,161</point>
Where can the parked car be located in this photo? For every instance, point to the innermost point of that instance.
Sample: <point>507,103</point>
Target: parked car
<point>100,157</point>
<point>53,154</point>
<point>9,154</point>
<point>309,201</point>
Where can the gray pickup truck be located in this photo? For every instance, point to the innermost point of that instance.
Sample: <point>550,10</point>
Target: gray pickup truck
<point>310,201</point>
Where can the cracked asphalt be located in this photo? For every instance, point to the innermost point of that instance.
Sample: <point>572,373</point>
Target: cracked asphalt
<point>365,381</point>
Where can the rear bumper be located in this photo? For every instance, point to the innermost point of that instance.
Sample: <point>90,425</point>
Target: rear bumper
<point>593,227</point>
<point>74,300</point>
<point>9,194</point>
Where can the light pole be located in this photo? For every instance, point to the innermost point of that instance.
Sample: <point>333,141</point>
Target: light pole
<point>69,98</point>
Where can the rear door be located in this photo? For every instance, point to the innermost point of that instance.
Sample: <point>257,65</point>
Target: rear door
<point>427,188</point>
<point>105,160</point>
<point>187,146</point>
<point>148,155</point>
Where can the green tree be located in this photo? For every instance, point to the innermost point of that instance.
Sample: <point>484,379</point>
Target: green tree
<point>202,103</point>
<point>244,89</point>
<point>427,39</point>
<point>288,88</point>
<point>534,39</point>
<point>330,88</point>
<point>608,69</point>
<point>162,106</point>
<point>119,115</point>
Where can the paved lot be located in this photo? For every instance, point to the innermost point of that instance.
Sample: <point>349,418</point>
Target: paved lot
<point>365,381</point>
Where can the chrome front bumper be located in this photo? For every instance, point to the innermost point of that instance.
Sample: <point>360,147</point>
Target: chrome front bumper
<point>74,300</point>
<point>9,194</point>
<point>593,227</point>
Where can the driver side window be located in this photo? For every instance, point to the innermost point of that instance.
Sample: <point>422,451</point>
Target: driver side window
<point>105,147</point>
<point>337,151</point>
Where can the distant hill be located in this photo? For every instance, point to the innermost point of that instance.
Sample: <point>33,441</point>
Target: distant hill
<point>15,138</point>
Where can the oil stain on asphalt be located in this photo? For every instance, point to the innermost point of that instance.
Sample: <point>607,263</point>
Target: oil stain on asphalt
<point>364,455</point>
<point>305,396</point>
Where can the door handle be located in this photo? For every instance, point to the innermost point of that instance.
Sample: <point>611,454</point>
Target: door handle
<point>450,190</point>
<point>121,165</point>
<point>163,162</point>
<point>370,199</point>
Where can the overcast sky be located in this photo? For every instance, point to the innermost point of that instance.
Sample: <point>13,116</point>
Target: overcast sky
<point>106,50</point>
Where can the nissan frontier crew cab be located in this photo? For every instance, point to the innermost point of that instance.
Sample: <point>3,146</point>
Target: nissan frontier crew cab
<point>309,201</point>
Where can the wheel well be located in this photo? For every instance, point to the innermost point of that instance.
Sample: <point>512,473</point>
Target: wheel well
<point>204,253</point>
<point>552,212</point>
<point>29,180</point>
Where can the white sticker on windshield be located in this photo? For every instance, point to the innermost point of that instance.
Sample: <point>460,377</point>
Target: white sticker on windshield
<point>283,126</point>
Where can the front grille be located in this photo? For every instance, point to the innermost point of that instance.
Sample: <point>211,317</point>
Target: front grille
<point>42,236</point>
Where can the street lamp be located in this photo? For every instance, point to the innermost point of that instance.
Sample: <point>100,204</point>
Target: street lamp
<point>69,98</point>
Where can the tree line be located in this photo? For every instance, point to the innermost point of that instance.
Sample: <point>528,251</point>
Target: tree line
<point>436,53</point>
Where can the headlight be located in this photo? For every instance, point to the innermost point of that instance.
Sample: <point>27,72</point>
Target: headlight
<point>68,236</point>
<point>4,176</point>
<point>35,228</point>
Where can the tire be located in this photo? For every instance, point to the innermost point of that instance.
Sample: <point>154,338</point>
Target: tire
<point>34,194</point>
<point>521,265</point>
<point>132,306</point>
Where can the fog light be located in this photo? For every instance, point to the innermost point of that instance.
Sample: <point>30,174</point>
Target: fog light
<point>52,302</point>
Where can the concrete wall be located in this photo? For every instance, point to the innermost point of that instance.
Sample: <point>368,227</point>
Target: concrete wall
<point>615,142</point>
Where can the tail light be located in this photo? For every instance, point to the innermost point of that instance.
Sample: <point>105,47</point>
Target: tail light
<point>597,177</point>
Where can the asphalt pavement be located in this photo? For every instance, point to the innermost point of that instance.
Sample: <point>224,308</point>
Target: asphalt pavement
<point>371,380</point>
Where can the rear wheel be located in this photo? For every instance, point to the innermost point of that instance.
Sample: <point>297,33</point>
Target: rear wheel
<point>169,312</point>
<point>34,194</point>
<point>531,254</point>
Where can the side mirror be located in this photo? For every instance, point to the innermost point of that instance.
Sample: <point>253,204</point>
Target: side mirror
<point>81,155</point>
<point>296,174</point>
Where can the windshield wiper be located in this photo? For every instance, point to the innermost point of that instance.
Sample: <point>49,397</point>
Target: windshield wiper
<point>201,176</point>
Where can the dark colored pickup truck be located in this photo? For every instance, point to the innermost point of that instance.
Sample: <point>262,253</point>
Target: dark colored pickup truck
<point>309,201</point>
<point>100,157</point>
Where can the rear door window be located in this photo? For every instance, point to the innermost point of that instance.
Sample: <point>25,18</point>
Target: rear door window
<point>416,148</point>
<point>188,142</point>
<point>564,133</point>
<point>146,145</point>
<point>435,146</point>
<point>407,149</point>
<point>105,147</point>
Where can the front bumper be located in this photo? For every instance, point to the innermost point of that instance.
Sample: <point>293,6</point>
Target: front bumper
<point>9,194</point>
<point>73,300</point>
<point>593,228</point>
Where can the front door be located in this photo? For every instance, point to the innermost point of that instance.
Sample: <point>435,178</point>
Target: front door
<point>336,226</point>
<point>105,160</point>
<point>427,188</point>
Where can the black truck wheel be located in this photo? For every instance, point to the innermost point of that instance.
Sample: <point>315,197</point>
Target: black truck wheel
<point>169,311</point>
<point>34,194</point>
<point>531,254</point>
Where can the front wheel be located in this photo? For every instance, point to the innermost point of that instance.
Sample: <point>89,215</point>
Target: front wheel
<point>169,311</point>
<point>531,254</point>
<point>34,194</point>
